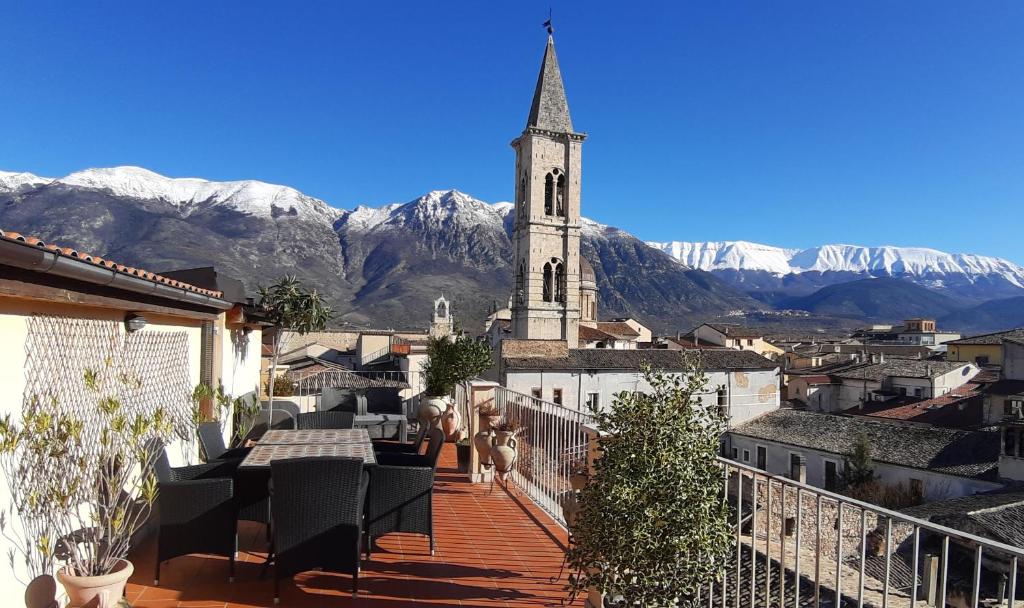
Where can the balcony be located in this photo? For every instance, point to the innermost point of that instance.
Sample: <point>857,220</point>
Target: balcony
<point>494,548</point>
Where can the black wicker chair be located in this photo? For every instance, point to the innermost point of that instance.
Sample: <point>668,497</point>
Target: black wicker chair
<point>318,506</point>
<point>197,511</point>
<point>325,420</point>
<point>382,447</point>
<point>401,495</point>
<point>281,419</point>
<point>212,443</point>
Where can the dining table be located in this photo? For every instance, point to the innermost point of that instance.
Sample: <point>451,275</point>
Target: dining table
<point>279,444</point>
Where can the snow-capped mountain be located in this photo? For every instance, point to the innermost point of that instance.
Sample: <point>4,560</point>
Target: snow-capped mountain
<point>383,266</point>
<point>17,182</point>
<point>187,193</point>
<point>928,265</point>
<point>379,266</point>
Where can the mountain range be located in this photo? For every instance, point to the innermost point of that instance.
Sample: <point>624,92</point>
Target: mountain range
<point>383,266</point>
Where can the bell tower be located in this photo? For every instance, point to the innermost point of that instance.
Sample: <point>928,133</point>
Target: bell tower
<point>546,269</point>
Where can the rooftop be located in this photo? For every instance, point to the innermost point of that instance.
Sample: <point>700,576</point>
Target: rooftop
<point>902,368</point>
<point>619,329</point>
<point>736,331</point>
<point>494,548</point>
<point>960,408</point>
<point>993,338</point>
<point>31,242</point>
<point>592,334</point>
<point>952,452</point>
<point>603,358</point>
<point>999,516</point>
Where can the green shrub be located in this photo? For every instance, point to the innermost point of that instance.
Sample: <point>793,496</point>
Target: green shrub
<point>652,528</point>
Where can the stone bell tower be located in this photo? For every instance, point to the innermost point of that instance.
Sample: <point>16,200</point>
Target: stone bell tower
<point>441,320</point>
<point>546,269</point>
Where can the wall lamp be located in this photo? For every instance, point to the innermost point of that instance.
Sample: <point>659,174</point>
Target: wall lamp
<point>134,322</point>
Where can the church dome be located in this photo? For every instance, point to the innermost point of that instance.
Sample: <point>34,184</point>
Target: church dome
<point>587,274</point>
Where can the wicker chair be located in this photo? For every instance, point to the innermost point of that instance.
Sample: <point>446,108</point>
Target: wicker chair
<point>325,420</point>
<point>401,495</point>
<point>318,506</point>
<point>197,511</point>
<point>281,419</point>
<point>382,447</point>
<point>212,443</point>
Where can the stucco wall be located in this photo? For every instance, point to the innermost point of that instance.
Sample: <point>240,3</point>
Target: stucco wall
<point>1013,361</point>
<point>971,352</point>
<point>13,328</point>
<point>750,393</point>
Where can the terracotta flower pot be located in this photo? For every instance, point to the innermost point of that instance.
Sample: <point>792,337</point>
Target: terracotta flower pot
<point>482,442</point>
<point>431,409</point>
<point>570,508</point>
<point>451,420</point>
<point>102,591</point>
<point>503,453</point>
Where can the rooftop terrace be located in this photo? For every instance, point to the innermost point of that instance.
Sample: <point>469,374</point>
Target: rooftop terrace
<point>494,548</point>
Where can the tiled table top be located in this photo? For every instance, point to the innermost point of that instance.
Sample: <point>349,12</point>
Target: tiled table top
<point>281,444</point>
<point>290,437</point>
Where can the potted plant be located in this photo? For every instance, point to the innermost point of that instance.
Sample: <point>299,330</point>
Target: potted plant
<point>288,307</point>
<point>86,484</point>
<point>449,362</point>
<point>648,535</point>
<point>463,450</point>
<point>503,450</point>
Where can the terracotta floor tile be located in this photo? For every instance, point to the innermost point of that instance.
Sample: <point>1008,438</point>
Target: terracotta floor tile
<point>495,548</point>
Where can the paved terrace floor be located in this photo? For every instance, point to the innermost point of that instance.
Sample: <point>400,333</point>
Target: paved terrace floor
<point>493,549</point>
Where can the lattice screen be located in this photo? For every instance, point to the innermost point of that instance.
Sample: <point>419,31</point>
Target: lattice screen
<point>145,369</point>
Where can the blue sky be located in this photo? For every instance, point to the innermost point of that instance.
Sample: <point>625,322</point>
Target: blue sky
<point>785,122</point>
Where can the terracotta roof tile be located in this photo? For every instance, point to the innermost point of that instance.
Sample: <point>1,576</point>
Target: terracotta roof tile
<point>31,241</point>
<point>618,329</point>
<point>591,334</point>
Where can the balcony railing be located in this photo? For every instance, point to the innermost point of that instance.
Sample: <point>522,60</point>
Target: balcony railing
<point>552,445</point>
<point>797,545</point>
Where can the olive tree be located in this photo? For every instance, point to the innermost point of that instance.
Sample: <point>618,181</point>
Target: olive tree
<point>290,307</point>
<point>450,362</point>
<point>652,527</point>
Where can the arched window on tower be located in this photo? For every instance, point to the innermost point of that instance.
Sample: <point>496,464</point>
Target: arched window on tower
<point>549,186</point>
<point>521,199</point>
<point>560,282</point>
<point>548,293</point>
<point>521,283</point>
<point>560,196</point>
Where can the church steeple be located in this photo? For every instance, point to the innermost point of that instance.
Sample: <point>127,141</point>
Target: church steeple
<point>546,296</point>
<point>550,110</point>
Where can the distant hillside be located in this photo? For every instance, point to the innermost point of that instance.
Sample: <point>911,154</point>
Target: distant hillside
<point>886,299</point>
<point>378,266</point>
<point>995,315</point>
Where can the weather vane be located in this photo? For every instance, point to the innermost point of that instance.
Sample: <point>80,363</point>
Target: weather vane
<point>547,24</point>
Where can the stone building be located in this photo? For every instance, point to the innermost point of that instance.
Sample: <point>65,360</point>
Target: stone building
<point>546,298</point>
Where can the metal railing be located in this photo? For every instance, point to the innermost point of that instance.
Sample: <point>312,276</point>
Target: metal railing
<point>797,545</point>
<point>382,353</point>
<point>552,444</point>
<point>309,388</point>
